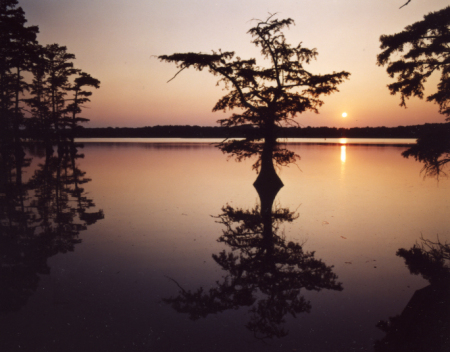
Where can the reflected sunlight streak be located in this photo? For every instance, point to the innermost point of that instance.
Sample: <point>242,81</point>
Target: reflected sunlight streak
<point>343,153</point>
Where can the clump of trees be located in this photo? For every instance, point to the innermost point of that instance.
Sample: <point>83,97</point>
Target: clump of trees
<point>411,57</point>
<point>41,92</point>
<point>41,98</point>
<point>264,97</point>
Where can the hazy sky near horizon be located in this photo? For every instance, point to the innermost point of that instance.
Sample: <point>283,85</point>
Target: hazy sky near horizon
<point>116,41</point>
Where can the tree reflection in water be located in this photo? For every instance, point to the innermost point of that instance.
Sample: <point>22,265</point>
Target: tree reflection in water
<point>265,272</point>
<point>424,324</point>
<point>39,218</point>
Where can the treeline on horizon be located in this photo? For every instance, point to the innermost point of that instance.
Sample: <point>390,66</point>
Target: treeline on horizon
<point>177,131</point>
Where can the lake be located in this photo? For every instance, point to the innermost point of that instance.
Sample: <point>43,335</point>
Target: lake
<point>137,254</point>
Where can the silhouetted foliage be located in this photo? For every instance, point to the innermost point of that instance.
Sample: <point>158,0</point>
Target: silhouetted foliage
<point>53,111</point>
<point>415,53</point>
<point>43,92</point>
<point>80,97</point>
<point>17,43</point>
<point>412,56</point>
<point>424,324</point>
<point>58,68</point>
<point>265,272</point>
<point>266,98</point>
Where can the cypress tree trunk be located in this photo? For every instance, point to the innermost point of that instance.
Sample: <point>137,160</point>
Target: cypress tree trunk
<point>268,183</point>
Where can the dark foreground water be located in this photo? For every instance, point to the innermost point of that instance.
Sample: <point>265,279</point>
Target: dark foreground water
<point>155,247</point>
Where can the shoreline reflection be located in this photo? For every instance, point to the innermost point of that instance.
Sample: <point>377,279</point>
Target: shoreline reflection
<point>424,324</point>
<point>40,217</point>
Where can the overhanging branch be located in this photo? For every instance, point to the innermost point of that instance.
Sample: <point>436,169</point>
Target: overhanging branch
<point>405,3</point>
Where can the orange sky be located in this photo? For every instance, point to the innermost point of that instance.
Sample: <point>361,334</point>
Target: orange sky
<point>116,41</point>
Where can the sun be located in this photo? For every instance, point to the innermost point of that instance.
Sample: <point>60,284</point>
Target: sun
<point>344,114</point>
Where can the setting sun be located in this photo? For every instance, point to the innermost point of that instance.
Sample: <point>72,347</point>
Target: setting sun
<point>344,114</point>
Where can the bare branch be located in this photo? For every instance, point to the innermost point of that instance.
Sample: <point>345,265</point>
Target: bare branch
<point>405,3</point>
<point>176,74</point>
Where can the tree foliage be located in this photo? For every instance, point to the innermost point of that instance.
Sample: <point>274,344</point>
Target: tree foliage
<point>414,54</point>
<point>16,51</point>
<point>48,99</point>
<point>264,97</point>
<point>80,96</point>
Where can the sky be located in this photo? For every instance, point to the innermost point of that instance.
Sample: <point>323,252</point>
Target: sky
<point>117,42</point>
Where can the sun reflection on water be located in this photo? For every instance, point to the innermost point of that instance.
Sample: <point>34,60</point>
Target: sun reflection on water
<point>343,153</point>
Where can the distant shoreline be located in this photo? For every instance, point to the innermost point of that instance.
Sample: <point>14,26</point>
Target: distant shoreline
<point>177,131</point>
<point>200,142</point>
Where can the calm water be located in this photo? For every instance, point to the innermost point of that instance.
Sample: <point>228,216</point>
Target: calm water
<point>134,282</point>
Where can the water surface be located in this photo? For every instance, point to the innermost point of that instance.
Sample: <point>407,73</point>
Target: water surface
<point>356,206</point>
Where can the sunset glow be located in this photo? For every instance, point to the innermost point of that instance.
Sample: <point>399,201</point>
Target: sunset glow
<point>117,42</point>
<point>227,175</point>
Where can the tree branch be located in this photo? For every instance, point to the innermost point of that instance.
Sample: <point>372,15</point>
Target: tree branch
<point>405,4</point>
<point>176,74</point>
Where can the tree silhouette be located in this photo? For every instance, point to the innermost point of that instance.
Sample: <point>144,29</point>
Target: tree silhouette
<point>264,271</point>
<point>415,53</point>
<point>80,97</point>
<point>265,97</point>
<point>55,113</point>
<point>412,56</point>
<point>45,92</point>
<point>17,43</point>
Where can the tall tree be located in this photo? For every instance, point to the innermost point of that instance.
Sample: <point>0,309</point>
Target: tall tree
<point>58,93</point>
<point>265,97</point>
<point>59,67</point>
<point>80,97</point>
<point>39,122</point>
<point>17,43</point>
<point>52,70</point>
<point>412,56</point>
